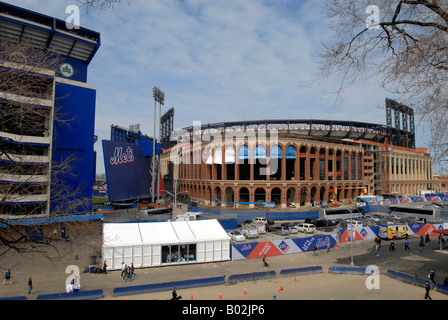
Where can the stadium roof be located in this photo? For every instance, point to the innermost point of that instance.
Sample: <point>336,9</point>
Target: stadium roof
<point>349,130</point>
<point>45,32</point>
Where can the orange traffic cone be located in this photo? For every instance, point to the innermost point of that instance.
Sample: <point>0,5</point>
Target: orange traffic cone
<point>245,292</point>
<point>191,297</point>
<point>295,278</point>
<point>281,288</point>
<point>219,297</point>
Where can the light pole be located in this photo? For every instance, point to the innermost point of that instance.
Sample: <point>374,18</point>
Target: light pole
<point>159,97</point>
<point>351,237</point>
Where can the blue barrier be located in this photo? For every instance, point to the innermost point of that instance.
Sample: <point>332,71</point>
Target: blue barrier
<point>81,295</point>
<point>300,271</point>
<point>145,288</point>
<point>347,270</point>
<point>14,298</point>
<point>408,278</point>
<point>441,288</point>
<point>252,276</point>
<point>168,286</point>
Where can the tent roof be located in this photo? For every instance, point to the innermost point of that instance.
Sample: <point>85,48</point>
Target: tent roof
<point>443,231</point>
<point>127,234</point>
<point>183,231</point>
<point>157,232</point>
<point>116,234</point>
<point>208,230</point>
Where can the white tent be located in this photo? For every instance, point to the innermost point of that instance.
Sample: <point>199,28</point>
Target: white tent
<point>164,243</point>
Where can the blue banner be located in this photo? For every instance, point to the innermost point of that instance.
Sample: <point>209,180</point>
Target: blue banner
<point>128,172</point>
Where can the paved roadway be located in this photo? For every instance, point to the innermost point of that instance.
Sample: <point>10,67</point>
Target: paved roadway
<point>49,276</point>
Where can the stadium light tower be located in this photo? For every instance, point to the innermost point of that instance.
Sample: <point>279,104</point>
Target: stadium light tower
<point>159,97</point>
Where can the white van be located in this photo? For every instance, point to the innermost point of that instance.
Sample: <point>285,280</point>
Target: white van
<point>306,227</point>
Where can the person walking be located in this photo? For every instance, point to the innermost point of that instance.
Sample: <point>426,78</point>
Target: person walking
<point>314,250</point>
<point>123,270</point>
<point>427,289</point>
<point>392,246</point>
<point>421,244</point>
<point>30,285</point>
<point>127,275</point>
<point>265,262</point>
<point>406,245</point>
<point>432,276</point>
<point>104,267</point>
<point>427,240</point>
<point>132,269</point>
<point>377,249</point>
<point>8,277</point>
<point>174,295</point>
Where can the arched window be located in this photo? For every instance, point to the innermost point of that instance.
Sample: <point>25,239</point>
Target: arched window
<point>243,153</point>
<point>276,154</point>
<point>291,158</point>
<point>229,159</point>
<point>243,161</point>
<point>260,157</point>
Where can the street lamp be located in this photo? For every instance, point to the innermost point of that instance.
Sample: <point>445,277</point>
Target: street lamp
<point>351,237</point>
<point>159,97</point>
<point>174,197</point>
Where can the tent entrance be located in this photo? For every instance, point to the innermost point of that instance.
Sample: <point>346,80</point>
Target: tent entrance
<point>178,253</point>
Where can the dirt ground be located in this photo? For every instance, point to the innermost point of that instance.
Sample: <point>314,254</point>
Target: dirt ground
<point>49,275</point>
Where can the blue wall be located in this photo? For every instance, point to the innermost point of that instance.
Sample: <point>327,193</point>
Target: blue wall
<point>241,216</point>
<point>80,70</point>
<point>76,105</point>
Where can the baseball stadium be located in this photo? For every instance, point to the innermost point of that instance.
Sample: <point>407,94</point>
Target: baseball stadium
<point>294,163</point>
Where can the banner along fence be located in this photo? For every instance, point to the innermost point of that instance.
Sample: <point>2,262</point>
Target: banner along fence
<point>297,245</point>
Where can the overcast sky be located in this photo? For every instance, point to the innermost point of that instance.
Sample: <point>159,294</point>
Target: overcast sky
<point>216,60</point>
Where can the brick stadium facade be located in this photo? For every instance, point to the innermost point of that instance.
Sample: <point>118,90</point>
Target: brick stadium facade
<point>227,164</point>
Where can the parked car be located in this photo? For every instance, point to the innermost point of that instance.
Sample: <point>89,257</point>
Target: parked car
<point>249,231</point>
<point>306,227</point>
<point>236,236</point>
<point>355,223</point>
<point>292,229</point>
<point>310,220</point>
<point>367,222</point>
<point>287,225</point>
<point>375,217</point>
<point>283,231</point>
<point>325,223</point>
<point>260,220</point>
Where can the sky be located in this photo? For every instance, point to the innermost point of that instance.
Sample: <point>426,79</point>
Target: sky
<point>216,61</point>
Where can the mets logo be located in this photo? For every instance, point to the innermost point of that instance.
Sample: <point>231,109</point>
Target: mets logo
<point>121,157</point>
<point>363,233</point>
<point>283,246</point>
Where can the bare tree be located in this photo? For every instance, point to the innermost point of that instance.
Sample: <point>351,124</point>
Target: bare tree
<point>27,111</point>
<point>406,48</point>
